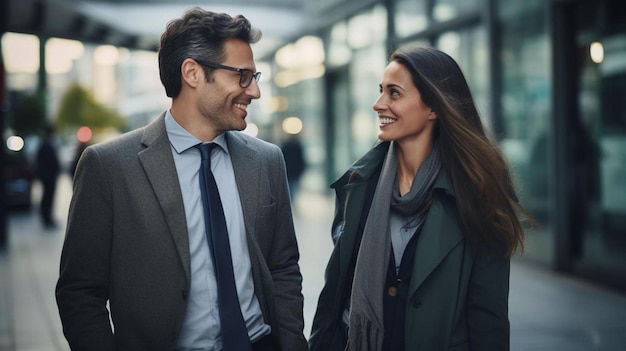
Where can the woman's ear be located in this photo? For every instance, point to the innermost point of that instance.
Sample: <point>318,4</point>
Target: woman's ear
<point>432,115</point>
<point>191,73</point>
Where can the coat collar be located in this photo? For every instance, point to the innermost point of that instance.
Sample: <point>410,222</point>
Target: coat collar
<point>366,166</point>
<point>441,232</point>
<point>158,163</point>
<point>370,163</point>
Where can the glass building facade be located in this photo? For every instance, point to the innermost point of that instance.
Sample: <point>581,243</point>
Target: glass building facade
<point>549,78</point>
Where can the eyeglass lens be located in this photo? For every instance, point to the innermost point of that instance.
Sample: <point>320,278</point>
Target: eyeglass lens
<point>247,76</point>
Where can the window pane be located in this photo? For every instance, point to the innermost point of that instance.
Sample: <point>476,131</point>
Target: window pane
<point>410,17</point>
<point>601,152</point>
<point>448,9</point>
<point>526,112</point>
<point>469,48</point>
<point>366,71</point>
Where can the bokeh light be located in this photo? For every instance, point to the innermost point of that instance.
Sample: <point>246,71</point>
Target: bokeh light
<point>15,143</point>
<point>596,51</point>
<point>292,125</point>
<point>84,134</point>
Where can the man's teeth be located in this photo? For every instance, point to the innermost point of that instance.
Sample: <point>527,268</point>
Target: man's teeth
<point>242,106</point>
<point>384,120</point>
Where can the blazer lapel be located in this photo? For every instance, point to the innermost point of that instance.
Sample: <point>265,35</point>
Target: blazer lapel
<point>158,163</point>
<point>355,197</point>
<point>246,165</point>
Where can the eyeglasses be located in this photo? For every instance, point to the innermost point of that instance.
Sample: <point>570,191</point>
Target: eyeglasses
<point>245,75</point>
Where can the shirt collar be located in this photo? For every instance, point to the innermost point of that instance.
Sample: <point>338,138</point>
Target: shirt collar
<point>181,140</point>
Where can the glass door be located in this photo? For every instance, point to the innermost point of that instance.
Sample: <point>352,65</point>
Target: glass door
<point>598,210</point>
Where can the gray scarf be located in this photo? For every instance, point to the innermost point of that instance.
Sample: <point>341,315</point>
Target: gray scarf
<point>366,304</point>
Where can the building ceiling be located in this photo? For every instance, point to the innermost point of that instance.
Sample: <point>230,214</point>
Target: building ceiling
<point>138,24</point>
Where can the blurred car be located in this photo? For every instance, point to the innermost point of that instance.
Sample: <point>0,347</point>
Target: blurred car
<point>18,177</point>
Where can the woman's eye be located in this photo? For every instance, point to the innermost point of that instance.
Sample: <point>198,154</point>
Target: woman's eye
<point>391,92</point>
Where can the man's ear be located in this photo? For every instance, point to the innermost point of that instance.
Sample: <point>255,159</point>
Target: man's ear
<point>191,73</point>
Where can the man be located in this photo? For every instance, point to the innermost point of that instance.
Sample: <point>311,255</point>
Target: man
<point>293,153</point>
<point>48,170</point>
<point>137,234</point>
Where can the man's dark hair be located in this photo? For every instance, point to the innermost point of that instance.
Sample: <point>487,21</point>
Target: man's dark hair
<point>199,34</point>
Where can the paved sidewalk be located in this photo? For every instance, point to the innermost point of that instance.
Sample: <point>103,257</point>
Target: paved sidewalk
<point>29,319</point>
<point>548,311</point>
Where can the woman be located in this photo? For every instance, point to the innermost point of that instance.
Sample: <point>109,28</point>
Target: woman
<point>425,224</point>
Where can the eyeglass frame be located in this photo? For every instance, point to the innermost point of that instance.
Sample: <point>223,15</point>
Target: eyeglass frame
<point>255,75</point>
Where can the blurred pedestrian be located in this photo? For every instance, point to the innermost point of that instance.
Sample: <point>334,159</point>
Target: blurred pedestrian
<point>170,246</point>
<point>426,223</point>
<point>294,160</point>
<point>48,169</point>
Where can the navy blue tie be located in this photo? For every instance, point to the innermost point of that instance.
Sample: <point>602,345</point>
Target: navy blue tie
<point>234,332</point>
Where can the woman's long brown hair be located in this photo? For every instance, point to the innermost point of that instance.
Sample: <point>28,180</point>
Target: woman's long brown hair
<point>487,205</point>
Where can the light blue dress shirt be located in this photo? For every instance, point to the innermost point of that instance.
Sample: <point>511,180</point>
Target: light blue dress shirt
<point>201,326</point>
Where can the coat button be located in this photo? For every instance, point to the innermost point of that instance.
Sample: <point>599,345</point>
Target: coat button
<point>184,293</point>
<point>392,291</point>
<point>417,303</point>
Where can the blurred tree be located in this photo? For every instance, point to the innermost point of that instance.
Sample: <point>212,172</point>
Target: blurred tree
<point>79,108</point>
<point>29,115</point>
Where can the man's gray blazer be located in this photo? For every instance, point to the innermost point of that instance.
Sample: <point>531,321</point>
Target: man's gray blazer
<point>126,242</point>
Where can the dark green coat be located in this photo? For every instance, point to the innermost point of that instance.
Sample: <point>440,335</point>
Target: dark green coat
<point>455,302</point>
